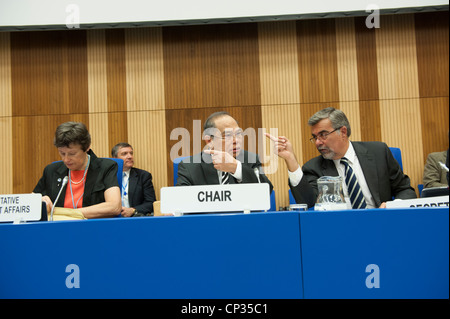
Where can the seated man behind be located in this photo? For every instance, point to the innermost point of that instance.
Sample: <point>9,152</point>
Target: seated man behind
<point>138,193</point>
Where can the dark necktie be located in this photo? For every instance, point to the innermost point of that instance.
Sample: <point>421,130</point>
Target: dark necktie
<point>225,178</point>
<point>353,188</point>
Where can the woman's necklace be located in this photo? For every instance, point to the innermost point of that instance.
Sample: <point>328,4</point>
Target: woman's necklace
<point>75,206</point>
<point>84,175</point>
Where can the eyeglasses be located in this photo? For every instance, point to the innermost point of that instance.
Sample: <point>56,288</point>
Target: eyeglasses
<point>322,135</point>
<point>230,135</point>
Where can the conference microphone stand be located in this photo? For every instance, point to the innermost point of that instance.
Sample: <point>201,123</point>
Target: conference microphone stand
<point>64,182</point>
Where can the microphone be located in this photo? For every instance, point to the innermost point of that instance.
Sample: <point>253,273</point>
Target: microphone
<point>64,182</point>
<point>256,170</point>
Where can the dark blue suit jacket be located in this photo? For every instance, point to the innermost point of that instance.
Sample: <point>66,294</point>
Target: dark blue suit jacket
<point>141,193</point>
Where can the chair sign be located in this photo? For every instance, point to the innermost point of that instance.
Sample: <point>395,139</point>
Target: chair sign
<point>215,198</point>
<point>20,207</point>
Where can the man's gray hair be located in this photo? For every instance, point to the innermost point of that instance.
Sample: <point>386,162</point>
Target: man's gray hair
<point>337,118</point>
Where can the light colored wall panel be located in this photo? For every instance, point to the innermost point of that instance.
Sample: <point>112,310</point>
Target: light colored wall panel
<point>98,128</point>
<point>98,92</point>
<point>97,76</point>
<point>348,74</point>
<point>6,165</point>
<point>147,134</point>
<point>6,169</point>
<point>399,92</point>
<point>346,60</point>
<point>397,58</point>
<point>401,127</point>
<point>318,72</point>
<point>352,111</point>
<point>5,75</point>
<point>145,69</point>
<point>280,97</point>
<point>285,118</point>
<point>278,62</point>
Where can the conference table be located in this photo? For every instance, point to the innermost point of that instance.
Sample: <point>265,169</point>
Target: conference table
<point>364,254</point>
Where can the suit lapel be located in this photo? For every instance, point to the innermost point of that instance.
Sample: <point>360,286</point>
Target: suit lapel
<point>328,168</point>
<point>91,178</point>
<point>209,172</point>
<point>132,183</point>
<point>369,168</point>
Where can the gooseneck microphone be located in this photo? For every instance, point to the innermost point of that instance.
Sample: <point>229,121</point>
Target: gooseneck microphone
<point>256,170</point>
<point>64,182</point>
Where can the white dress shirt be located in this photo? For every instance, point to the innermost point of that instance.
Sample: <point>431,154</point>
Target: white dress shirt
<point>295,177</point>
<point>125,179</point>
<point>237,174</point>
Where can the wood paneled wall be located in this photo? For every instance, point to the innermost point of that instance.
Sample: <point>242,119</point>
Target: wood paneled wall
<point>139,84</point>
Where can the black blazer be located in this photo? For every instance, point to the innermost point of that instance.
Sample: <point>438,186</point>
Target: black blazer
<point>199,170</point>
<point>101,175</point>
<point>383,174</point>
<point>141,193</point>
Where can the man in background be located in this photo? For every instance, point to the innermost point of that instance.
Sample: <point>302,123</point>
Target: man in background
<point>137,191</point>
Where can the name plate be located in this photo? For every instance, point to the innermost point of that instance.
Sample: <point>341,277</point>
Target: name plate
<point>438,201</point>
<point>215,198</point>
<point>20,207</point>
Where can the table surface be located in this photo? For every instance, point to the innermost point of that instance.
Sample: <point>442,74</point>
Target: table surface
<point>289,255</point>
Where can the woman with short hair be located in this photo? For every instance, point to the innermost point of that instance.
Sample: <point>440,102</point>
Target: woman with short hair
<point>92,188</point>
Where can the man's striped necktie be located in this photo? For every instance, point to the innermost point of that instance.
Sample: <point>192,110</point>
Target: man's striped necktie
<point>225,178</point>
<point>354,190</point>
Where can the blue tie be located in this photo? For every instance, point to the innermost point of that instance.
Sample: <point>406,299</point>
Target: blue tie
<point>354,190</point>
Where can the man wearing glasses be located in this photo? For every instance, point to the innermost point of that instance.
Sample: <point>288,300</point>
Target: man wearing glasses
<point>371,176</point>
<point>222,161</point>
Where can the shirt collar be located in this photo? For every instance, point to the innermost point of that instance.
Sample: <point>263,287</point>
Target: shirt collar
<point>350,155</point>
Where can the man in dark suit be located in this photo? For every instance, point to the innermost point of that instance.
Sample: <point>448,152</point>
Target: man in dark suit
<point>223,160</point>
<point>367,167</point>
<point>138,193</point>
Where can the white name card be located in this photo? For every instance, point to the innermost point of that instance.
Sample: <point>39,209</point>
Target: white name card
<point>20,207</point>
<point>438,201</point>
<point>215,198</point>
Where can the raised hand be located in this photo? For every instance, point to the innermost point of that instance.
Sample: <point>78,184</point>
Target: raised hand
<point>223,161</point>
<point>283,148</point>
